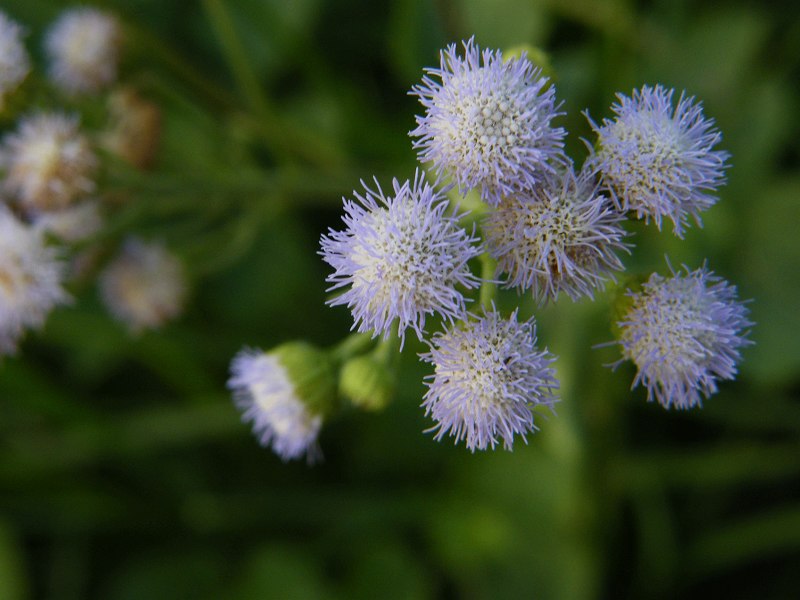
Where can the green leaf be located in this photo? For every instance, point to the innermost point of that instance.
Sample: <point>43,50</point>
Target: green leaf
<point>505,23</point>
<point>13,585</point>
<point>770,255</point>
<point>281,571</point>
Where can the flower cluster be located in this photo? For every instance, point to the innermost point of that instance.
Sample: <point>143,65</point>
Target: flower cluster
<point>408,257</point>
<point>52,204</point>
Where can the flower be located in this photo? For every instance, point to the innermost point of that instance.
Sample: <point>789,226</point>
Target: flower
<point>134,130</point>
<point>48,162</point>
<point>286,394</point>
<point>657,160</point>
<point>487,122</point>
<point>15,63</point>
<point>31,274</point>
<point>402,257</point>
<point>488,374</point>
<point>683,333</point>
<point>144,286</point>
<point>560,236</point>
<point>83,48</point>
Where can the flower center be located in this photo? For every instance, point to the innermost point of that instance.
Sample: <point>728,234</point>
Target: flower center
<point>645,157</point>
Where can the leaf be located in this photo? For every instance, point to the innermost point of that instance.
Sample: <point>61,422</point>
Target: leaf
<point>770,255</point>
<point>12,576</point>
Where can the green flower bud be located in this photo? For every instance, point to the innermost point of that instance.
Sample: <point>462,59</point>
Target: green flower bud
<point>312,372</point>
<point>367,382</point>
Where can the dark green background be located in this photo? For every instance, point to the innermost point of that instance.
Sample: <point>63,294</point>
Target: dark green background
<point>125,472</point>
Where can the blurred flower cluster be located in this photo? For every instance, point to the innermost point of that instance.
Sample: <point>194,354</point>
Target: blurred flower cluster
<point>53,215</point>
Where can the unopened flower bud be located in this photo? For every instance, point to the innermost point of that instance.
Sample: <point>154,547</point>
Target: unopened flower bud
<point>367,382</point>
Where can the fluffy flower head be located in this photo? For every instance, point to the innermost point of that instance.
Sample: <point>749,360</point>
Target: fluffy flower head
<point>657,160</point>
<point>48,162</point>
<point>683,333</point>
<point>30,280</point>
<point>83,48</point>
<point>144,286</point>
<point>14,61</point>
<point>487,122</point>
<point>402,257</point>
<point>273,391</point>
<point>488,374</point>
<point>560,236</point>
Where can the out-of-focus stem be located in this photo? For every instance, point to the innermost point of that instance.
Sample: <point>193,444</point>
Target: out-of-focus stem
<point>488,287</point>
<point>353,344</point>
<point>284,139</point>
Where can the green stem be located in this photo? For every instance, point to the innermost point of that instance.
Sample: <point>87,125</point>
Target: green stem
<point>488,287</point>
<point>353,344</point>
<point>236,56</point>
<point>184,70</point>
<point>284,139</point>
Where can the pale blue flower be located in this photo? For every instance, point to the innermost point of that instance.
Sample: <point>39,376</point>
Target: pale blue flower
<point>658,160</point>
<point>683,333</point>
<point>488,374</point>
<point>487,122</point>
<point>264,392</point>
<point>401,257</point>
<point>562,235</point>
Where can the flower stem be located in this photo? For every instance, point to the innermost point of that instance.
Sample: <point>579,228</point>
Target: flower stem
<point>488,287</point>
<point>284,139</point>
<point>353,344</point>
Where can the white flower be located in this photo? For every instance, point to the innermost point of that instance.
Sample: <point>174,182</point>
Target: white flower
<point>83,48</point>
<point>30,280</point>
<point>263,389</point>
<point>14,61</point>
<point>144,286</point>
<point>48,162</point>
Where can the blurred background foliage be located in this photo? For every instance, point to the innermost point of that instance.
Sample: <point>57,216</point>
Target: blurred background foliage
<point>126,472</point>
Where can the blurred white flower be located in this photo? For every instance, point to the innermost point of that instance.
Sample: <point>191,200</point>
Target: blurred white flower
<point>48,162</point>
<point>15,63</point>
<point>144,286</point>
<point>83,48</point>
<point>30,280</point>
